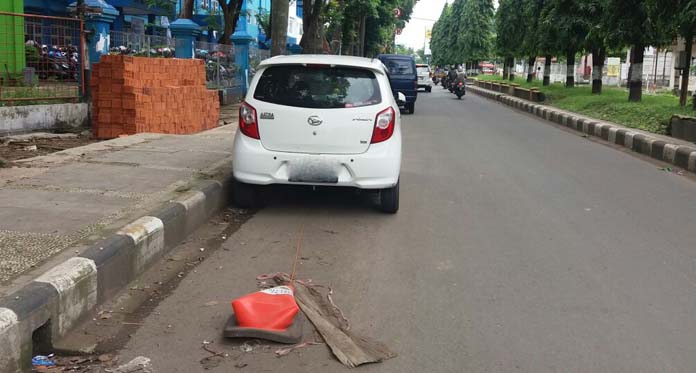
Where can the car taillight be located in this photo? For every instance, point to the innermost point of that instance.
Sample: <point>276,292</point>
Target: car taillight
<point>384,125</point>
<point>247,121</point>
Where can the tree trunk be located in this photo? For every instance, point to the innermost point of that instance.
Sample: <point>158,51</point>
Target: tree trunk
<point>530,68</point>
<point>598,55</point>
<point>336,42</point>
<point>506,69</point>
<point>547,70</point>
<point>635,74</point>
<point>511,64</point>
<point>570,69</point>
<point>230,14</point>
<point>313,40</point>
<point>683,96</point>
<point>361,36</point>
<point>279,26</point>
<point>186,10</point>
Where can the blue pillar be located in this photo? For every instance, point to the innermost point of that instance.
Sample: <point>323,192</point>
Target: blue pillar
<point>185,32</point>
<point>98,25</point>
<point>241,42</point>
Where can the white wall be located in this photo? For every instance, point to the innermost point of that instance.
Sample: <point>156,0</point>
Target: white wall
<point>22,119</point>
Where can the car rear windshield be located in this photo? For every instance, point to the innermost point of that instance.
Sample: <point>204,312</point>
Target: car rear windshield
<point>321,87</point>
<point>399,66</point>
<point>423,69</point>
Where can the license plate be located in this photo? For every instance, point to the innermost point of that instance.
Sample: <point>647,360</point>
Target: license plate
<point>313,171</point>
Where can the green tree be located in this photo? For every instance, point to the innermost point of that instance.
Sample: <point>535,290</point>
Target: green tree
<point>313,26</point>
<point>402,49</point>
<point>530,42</point>
<point>475,31</point>
<point>421,57</point>
<point>631,24</point>
<point>677,18</point>
<point>231,10</point>
<point>570,31</point>
<point>166,5</point>
<point>510,31</point>
<point>595,40</point>
<point>440,38</point>
<point>365,27</point>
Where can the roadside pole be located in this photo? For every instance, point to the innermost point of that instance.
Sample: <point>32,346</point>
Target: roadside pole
<point>84,58</point>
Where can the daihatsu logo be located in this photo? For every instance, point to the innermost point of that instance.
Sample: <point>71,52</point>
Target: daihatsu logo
<point>314,120</point>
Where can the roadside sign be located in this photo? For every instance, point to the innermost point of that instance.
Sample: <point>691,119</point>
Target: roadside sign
<point>398,31</point>
<point>613,64</point>
<point>397,12</point>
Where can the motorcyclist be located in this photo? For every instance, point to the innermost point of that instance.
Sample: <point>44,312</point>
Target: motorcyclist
<point>461,75</point>
<point>452,74</point>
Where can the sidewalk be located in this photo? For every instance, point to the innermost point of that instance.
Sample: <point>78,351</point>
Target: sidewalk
<point>53,207</point>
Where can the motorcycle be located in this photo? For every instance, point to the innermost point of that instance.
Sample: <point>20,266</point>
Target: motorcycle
<point>459,90</point>
<point>452,85</point>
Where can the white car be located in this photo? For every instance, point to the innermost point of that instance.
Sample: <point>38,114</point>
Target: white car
<point>319,120</point>
<point>424,79</point>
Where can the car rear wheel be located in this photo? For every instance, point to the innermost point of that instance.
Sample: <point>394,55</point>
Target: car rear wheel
<point>411,107</point>
<point>389,199</point>
<point>245,195</point>
<point>428,89</point>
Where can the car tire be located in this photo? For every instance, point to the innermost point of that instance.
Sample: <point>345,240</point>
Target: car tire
<point>428,89</point>
<point>245,195</point>
<point>411,107</point>
<point>389,199</point>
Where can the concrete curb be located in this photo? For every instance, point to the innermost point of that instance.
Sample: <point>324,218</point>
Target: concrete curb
<point>44,310</point>
<point>657,148</point>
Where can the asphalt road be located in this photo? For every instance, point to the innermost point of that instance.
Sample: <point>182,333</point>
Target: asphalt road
<point>519,247</point>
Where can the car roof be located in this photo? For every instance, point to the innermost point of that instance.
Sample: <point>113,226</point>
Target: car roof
<point>402,56</point>
<point>325,59</point>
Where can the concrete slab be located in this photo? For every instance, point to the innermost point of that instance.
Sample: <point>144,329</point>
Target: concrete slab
<point>127,179</point>
<point>20,251</point>
<point>160,157</point>
<point>53,212</point>
<point>203,143</point>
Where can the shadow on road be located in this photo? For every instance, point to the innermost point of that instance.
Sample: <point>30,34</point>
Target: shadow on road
<point>319,198</point>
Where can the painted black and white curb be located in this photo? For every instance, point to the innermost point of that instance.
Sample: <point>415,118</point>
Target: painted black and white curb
<point>47,308</point>
<point>676,154</point>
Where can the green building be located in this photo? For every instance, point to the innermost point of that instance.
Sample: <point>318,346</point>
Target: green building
<point>12,55</point>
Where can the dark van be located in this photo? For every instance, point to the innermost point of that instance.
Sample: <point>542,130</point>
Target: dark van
<point>403,77</point>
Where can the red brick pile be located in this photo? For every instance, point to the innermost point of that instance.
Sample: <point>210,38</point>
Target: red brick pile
<point>163,95</point>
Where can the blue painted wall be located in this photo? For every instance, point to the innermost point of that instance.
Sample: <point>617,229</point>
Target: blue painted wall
<point>59,7</point>
<point>247,23</point>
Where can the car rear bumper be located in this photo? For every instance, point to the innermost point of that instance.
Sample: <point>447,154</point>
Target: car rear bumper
<point>377,168</point>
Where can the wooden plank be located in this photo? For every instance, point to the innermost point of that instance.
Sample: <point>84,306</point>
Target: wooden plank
<point>350,349</point>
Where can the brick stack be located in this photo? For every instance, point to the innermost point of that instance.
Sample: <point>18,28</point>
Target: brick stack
<point>163,95</point>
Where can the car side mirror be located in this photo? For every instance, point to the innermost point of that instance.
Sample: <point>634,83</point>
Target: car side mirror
<point>400,98</point>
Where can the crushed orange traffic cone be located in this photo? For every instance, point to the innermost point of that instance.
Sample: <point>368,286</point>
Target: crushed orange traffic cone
<point>270,314</point>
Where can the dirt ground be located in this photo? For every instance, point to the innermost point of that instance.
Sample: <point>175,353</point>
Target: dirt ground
<point>13,150</point>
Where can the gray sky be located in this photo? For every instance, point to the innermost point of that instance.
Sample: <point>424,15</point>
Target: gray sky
<point>425,13</point>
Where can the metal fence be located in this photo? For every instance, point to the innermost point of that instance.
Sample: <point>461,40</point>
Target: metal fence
<point>220,68</point>
<point>41,59</point>
<point>256,55</point>
<point>141,45</point>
